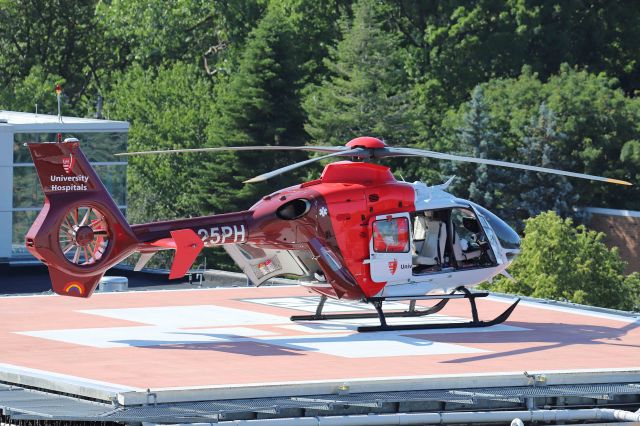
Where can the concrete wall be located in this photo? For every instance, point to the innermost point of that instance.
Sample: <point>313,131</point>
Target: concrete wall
<point>622,232</point>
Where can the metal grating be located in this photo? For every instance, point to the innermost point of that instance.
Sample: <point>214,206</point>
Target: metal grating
<point>25,404</point>
<point>34,404</point>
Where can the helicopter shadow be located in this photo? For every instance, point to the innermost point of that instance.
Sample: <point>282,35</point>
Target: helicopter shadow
<point>228,343</point>
<point>546,336</point>
<point>350,344</point>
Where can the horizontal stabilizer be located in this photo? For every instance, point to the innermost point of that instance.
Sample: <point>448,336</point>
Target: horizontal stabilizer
<point>188,245</point>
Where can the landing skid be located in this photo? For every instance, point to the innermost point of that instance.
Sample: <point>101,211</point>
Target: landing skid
<point>412,312</point>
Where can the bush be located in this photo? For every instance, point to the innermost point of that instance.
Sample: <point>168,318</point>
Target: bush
<point>561,261</point>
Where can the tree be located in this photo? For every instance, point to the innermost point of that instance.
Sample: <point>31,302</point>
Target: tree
<point>59,38</point>
<point>366,92</point>
<point>316,25</point>
<point>632,289</point>
<point>594,115</point>
<point>259,105</point>
<point>37,88</point>
<point>630,157</point>
<point>456,45</point>
<point>481,183</point>
<point>156,32</point>
<point>541,192</point>
<point>167,108</point>
<point>563,262</point>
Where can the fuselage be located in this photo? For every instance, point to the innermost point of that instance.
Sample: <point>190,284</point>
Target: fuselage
<point>325,231</point>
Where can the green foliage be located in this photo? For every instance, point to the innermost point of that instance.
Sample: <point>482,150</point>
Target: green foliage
<point>481,183</point>
<point>260,105</point>
<point>595,118</point>
<point>42,41</point>
<point>156,32</point>
<point>366,92</point>
<point>316,29</point>
<point>630,157</point>
<point>453,76</point>
<point>563,262</point>
<point>538,191</point>
<point>632,288</point>
<point>37,88</point>
<point>461,43</point>
<point>167,108</point>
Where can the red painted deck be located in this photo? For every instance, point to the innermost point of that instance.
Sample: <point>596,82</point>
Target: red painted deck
<point>223,337</point>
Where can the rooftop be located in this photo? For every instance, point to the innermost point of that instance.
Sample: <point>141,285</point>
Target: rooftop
<point>68,342</point>
<point>28,122</point>
<point>169,356</point>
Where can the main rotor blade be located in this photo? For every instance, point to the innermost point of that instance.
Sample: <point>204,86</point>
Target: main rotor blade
<point>239,148</point>
<point>343,153</point>
<point>442,156</point>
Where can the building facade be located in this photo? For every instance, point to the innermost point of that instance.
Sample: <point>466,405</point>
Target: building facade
<point>20,195</point>
<point>622,230</point>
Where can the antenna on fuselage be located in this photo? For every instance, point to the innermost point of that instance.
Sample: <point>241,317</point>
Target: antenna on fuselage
<point>445,185</point>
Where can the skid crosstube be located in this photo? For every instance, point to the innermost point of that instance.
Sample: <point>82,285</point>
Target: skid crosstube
<point>412,312</point>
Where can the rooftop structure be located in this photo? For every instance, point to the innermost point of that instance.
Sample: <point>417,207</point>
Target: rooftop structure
<point>622,230</point>
<point>20,194</point>
<point>25,122</point>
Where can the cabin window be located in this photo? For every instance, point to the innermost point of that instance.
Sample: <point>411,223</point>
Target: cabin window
<point>391,235</point>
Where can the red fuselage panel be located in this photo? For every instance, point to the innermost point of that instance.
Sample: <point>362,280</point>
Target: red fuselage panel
<point>344,199</point>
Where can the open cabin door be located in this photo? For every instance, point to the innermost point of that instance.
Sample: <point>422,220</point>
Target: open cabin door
<point>491,236</point>
<point>261,264</point>
<point>390,248</point>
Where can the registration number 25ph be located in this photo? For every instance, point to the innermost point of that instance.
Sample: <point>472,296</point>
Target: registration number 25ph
<point>223,234</point>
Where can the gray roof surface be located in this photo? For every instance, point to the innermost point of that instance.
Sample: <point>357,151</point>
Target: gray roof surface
<point>25,122</point>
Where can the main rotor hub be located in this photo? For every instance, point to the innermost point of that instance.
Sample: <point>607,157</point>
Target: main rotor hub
<point>366,142</point>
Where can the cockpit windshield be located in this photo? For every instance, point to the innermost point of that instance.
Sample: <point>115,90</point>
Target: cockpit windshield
<point>508,238</point>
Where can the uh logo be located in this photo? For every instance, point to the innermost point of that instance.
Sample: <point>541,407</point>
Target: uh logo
<point>67,163</point>
<point>393,266</point>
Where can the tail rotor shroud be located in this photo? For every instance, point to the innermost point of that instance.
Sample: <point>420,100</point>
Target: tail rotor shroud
<point>80,232</point>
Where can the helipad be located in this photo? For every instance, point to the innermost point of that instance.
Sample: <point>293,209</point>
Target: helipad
<point>239,343</point>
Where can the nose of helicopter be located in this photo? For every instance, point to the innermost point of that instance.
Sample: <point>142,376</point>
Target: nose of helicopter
<point>512,252</point>
<point>508,238</point>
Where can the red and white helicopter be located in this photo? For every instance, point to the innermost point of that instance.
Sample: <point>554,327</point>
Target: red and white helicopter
<point>355,233</point>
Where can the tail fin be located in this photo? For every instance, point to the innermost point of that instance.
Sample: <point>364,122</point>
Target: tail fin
<point>80,232</point>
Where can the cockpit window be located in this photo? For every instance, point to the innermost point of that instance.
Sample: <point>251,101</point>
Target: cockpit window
<point>508,238</point>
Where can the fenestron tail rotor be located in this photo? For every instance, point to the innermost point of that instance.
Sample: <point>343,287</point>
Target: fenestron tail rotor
<point>83,235</point>
<point>368,148</point>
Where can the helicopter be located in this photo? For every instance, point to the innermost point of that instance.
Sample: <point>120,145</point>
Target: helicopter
<point>355,233</point>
